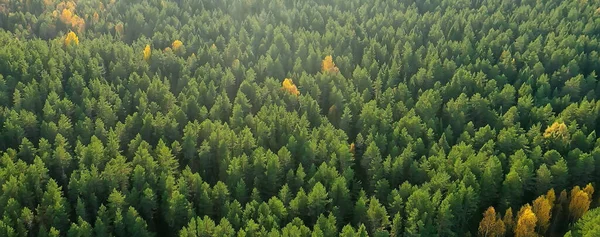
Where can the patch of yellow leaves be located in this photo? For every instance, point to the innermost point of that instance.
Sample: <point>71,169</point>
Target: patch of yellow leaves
<point>328,65</point>
<point>557,130</point>
<point>147,53</point>
<point>176,44</point>
<point>71,39</point>
<point>289,86</point>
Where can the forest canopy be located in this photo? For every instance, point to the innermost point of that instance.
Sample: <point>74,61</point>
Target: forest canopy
<point>299,118</point>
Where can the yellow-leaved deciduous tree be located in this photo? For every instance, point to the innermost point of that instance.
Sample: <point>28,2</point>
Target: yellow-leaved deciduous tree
<point>491,225</point>
<point>66,16</point>
<point>289,86</point>
<point>69,18</point>
<point>71,39</point>
<point>509,219</point>
<point>176,44</point>
<point>328,65</point>
<point>551,196</point>
<point>579,203</point>
<point>542,207</point>
<point>589,189</point>
<point>557,131</point>
<point>526,222</point>
<point>147,53</point>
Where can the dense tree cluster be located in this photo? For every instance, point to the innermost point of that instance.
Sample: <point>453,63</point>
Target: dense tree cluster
<point>298,118</point>
<point>587,226</point>
<point>546,215</point>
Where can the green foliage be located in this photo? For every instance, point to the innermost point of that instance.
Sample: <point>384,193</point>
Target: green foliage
<point>406,118</point>
<point>587,225</point>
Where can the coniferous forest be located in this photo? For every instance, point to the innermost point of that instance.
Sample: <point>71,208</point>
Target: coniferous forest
<point>299,118</point>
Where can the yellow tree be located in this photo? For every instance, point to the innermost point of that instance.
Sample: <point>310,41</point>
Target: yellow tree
<point>542,208</point>
<point>66,16</point>
<point>557,131</point>
<point>491,225</point>
<point>526,222</point>
<point>579,203</point>
<point>509,219</point>
<point>551,196</point>
<point>176,44</point>
<point>328,65</point>
<point>589,189</point>
<point>147,53</point>
<point>289,86</point>
<point>69,18</point>
<point>71,39</point>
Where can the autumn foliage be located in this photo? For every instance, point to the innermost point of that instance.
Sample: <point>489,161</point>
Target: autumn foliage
<point>147,53</point>
<point>526,222</point>
<point>557,131</point>
<point>542,208</point>
<point>579,203</point>
<point>69,18</point>
<point>509,219</point>
<point>537,219</point>
<point>176,44</point>
<point>328,65</point>
<point>71,39</point>
<point>289,86</point>
<point>491,225</point>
